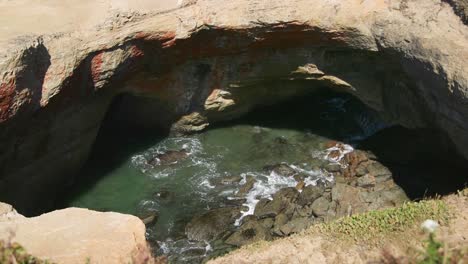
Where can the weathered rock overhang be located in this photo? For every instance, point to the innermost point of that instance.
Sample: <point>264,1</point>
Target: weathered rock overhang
<point>189,67</point>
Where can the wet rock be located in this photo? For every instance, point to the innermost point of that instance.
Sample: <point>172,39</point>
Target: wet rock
<point>310,193</point>
<point>334,154</point>
<point>296,225</point>
<point>300,177</point>
<point>248,233</point>
<point>149,219</point>
<point>283,202</point>
<point>300,185</point>
<point>229,180</point>
<point>235,201</point>
<point>226,180</point>
<point>248,218</point>
<point>169,157</point>
<point>330,144</point>
<point>320,207</point>
<point>209,225</point>
<point>333,167</point>
<point>247,186</point>
<point>353,160</point>
<point>281,169</point>
<point>366,181</point>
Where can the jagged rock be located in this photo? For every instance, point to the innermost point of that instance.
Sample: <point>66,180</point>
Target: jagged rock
<point>296,225</point>
<point>305,211</point>
<point>75,235</point>
<point>247,186</point>
<point>320,207</point>
<point>366,181</point>
<point>267,222</point>
<point>354,160</point>
<point>310,193</point>
<point>283,202</point>
<point>248,233</point>
<point>348,199</point>
<point>300,185</point>
<point>333,167</point>
<point>380,172</point>
<point>209,225</point>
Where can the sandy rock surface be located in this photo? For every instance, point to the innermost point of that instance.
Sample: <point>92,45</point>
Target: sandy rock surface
<point>75,235</point>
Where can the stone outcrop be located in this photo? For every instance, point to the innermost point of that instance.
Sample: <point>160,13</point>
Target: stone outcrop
<point>76,235</point>
<point>405,59</point>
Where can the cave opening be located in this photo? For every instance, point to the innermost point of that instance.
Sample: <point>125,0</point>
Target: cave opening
<point>181,185</point>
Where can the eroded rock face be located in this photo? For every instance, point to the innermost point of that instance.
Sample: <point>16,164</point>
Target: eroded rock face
<point>76,235</point>
<point>405,59</point>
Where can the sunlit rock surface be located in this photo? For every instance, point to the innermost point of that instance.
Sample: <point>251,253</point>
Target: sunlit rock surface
<point>76,235</point>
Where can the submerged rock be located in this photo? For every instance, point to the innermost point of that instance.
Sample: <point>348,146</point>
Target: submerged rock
<point>280,169</point>
<point>169,157</point>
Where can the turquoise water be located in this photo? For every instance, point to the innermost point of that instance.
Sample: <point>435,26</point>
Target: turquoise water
<point>121,178</point>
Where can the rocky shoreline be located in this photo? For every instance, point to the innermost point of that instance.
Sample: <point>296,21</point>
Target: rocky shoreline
<point>360,184</point>
<point>201,62</point>
<point>405,59</point>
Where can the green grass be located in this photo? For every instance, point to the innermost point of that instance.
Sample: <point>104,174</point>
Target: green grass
<point>379,223</point>
<point>15,253</point>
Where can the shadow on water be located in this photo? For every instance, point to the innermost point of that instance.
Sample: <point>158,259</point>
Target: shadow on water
<point>114,144</point>
<point>422,161</point>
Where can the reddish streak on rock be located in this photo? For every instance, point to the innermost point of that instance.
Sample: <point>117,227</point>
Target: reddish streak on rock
<point>136,52</point>
<point>7,91</point>
<point>96,67</point>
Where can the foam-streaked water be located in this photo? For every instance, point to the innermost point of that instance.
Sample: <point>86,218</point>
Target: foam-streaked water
<point>296,136</point>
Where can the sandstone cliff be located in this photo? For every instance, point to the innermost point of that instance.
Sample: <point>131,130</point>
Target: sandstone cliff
<point>208,60</point>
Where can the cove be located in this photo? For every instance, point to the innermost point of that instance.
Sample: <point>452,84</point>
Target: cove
<point>225,166</point>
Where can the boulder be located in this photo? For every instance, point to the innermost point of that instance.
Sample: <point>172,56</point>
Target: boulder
<point>283,202</point>
<point>207,226</point>
<point>248,233</point>
<point>320,207</point>
<point>310,193</point>
<point>296,225</point>
<point>76,236</point>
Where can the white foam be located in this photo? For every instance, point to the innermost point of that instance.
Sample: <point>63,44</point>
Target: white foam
<point>342,149</point>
